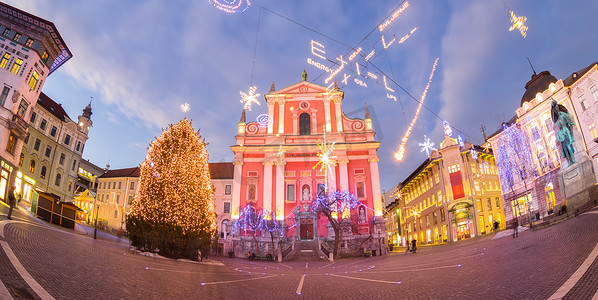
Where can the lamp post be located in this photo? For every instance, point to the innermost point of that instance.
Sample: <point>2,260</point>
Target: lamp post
<point>95,224</point>
<point>380,241</point>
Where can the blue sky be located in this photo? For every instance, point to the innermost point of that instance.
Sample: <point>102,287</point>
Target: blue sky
<point>140,60</point>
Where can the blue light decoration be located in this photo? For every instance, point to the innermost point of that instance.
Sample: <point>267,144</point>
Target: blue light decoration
<point>252,219</point>
<point>514,158</point>
<point>474,153</point>
<point>460,140</point>
<point>231,6</point>
<point>264,120</point>
<point>447,128</point>
<point>338,201</point>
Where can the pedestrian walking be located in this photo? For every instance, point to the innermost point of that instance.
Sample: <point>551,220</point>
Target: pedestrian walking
<point>495,226</point>
<point>12,201</point>
<point>515,227</point>
<point>413,245</point>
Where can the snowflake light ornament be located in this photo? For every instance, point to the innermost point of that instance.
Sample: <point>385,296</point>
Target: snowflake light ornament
<point>518,23</point>
<point>327,160</point>
<point>185,107</point>
<point>427,146</point>
<point>249,98</point>
<point>280,154</point>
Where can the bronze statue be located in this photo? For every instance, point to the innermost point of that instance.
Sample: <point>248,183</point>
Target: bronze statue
<point>560,117</point>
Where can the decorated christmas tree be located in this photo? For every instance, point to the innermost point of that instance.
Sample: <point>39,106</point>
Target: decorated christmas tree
<point>173,210</point>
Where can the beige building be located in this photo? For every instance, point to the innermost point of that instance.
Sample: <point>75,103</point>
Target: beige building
<point>116,189</point>
<point>452,195</point>
<point>222,180</point>
<point>30,49</point>
<point>51,154</point>
<point>542,192</point>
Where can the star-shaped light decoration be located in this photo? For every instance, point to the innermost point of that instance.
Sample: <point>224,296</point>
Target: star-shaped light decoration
<point>327,161</point>
<point>280,154</point>
<point>427,146</point>
<point>487,147</point>
<point>518,24</point>
<point>249,98</point>
<point>185,107</point>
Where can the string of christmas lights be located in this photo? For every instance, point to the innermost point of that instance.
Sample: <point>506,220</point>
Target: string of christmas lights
<point>231,6</point>
<point>175,187</point>
<point>400,153</point>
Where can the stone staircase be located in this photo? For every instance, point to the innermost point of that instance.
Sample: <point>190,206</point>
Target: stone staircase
<point>305,251</point>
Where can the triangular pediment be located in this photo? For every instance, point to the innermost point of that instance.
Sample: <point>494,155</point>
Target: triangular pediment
<point>303,87</point>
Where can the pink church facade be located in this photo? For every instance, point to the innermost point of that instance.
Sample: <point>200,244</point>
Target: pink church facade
<point>275,162</point>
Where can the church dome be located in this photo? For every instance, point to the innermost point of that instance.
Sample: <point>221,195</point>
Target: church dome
<point>538,84</point>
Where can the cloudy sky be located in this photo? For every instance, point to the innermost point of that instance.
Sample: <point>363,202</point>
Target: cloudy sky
<point>140,60</point>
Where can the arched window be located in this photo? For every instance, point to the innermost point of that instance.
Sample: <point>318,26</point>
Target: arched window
<point>304,124</point>
<point>225,226</point>
<point>32,166</point>
<point>58,178</point>
<point>42,174</point>
<point>21,158</point>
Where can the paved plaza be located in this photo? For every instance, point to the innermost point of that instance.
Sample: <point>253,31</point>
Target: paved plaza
<point>42,261</point>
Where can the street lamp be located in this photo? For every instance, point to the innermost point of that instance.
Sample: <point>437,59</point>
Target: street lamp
<point>95,224</point>
<point>380,242</point>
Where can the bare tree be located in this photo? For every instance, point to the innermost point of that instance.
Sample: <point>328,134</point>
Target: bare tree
<point>337,207</point>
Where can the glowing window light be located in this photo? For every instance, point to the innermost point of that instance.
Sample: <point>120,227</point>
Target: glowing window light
<point>401,151</point>
<point>394,16</point>
<point>447,128</point>
<point>518,24</point>
<point>231,6</point>
<point>552,87</point>
<point>354,54</point>
<point>249,98</point>
<point>539,97</point>
<point>385,45</point>
<point>321,53</point>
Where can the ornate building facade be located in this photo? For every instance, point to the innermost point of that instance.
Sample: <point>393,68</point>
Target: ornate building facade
<point>30,49</point>
<point>453,195</point>
<point>550,182</point>
<point>275,161</point>
<point>52,150</point>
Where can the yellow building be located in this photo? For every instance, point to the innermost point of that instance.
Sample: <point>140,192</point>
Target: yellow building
<point>453,195</point>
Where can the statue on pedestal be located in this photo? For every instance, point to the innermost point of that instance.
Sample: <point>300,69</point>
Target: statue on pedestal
<point>564,130</point>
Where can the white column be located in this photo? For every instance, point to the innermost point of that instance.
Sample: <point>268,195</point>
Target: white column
<point>343,174</point>
<point>280,191</point>
<point>327,114</point>
<point>271,115</point>
<point>332,179</point>
<point>281,115</point>
<point>267,204</point>
<point>375,185</point>
<point>339,120</point>
<point>236,189</point>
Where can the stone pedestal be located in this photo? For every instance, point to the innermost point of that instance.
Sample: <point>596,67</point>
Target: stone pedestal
<point>575,182</point>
